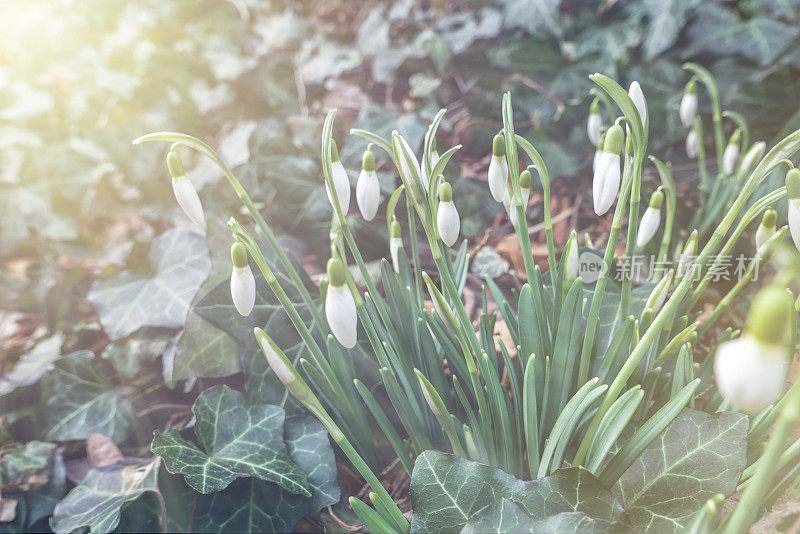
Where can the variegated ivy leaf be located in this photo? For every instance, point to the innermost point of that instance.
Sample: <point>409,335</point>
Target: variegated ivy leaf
<point>81,398</point>
<point>696,457</point>
<point>96,502</point>
<point>446,490</point>
<point>506,517</point>
<point>239,438</point>
<point>128,301</point>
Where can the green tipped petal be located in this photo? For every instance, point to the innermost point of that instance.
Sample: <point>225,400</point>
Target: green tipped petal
<point>175,165</point>
<point>336,273</point>
<point>239,255</point>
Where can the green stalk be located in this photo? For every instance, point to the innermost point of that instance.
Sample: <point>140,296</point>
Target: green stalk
<point>707,80</point>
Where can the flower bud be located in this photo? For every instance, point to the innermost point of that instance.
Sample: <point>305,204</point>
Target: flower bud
<point>447,219</point>
<point>752,157</point>
<point>498,169</point>
<point>731,154</point>
<point>571,263</point>
<point>636,94</point>
<point>688,107</point>
<point>395,244</point>
<point>340,181</point>
<point>409,164</point>
<point>793,192</point>
<point>368,190</point>
<point>243,285</point>
<point>751,370</point>
<point>659,294</point>
<point>525,180</point>
<point>184,190</point>
<point>594,126</point>
<point>692,144</point>
<point>767,227</point>
<point>650,220</point>
<point>340,308</point>
<point>605,184</point>
<point>283,368</point>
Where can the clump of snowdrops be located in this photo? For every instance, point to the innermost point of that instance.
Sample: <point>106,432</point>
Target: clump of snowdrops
<point>597,368</point>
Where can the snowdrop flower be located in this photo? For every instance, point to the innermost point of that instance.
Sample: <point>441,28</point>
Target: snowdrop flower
<point>767,227</point>
<point>692,144</point>
<point>594,126</point>
<point>407,170</point>
<point>731,154</point>
<point>605,185</point>
<point>687,257</point>
<point>525,179</point>
<point>498,169</point>
<point>752,157</point>
<point>636,94</point>
<point>447,220</point>
<point>340,308</point>
<point>688,107</point>
<point>395,244</point>
<point>285,371</point>
<point>751,370</point>
<point>243,285</point>
<point>340,181</point>
<point>650,220</point>
<point>658,296</point>
<point>598,151</point>
<point>185,193</point>
<point>571,263</point>
<point>368,190</point>
<point>793,192</point>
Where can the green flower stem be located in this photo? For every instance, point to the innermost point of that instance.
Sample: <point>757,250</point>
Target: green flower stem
<point>665,173</point>
<point>758,487</point>
<point>633,226</point>
<point>412,232</point>
<point>705,77</point>
<point>741,122</point>
<point>206,150</point>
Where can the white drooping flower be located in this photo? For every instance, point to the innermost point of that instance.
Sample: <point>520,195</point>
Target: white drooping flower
<point>605,184</point>
<point>751,370</point>
<point>498,169</point>
<point>243,285</point>
<point>651,219</point>
<point>185,193</point>
<point>692,144</point>
<point>447,219</point>
<point>340,308</point>
<point>395,244</point>
<point>594,125</point>
<point>688,108</point>
<point>340,181</point>
<point>571,262</point>
<point>793,192</point>
<point>767,228</point>
<point>636,94</point>
<point>409,164</point>
<point>525,180</point>
<point>368,190</point>
<point>731,154</point>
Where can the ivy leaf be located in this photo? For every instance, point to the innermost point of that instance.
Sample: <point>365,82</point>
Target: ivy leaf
<point>446,490</point>
<point>506,517</point>
<point>97,500</point>
<point>32,365</point>
<point>241,438</point>
<point>716,30</point>
<point>532,15</point>
<point>696,457</point>
<point>128,301</point>
<point>252,505</point>
<point>81,399</point>
<point>203,350</point>
<point>667,19</point>
<point>147,344</point>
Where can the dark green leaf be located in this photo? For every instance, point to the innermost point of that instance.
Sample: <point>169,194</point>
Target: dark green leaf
<point>241,438</point>
<point>532,15</point>
<point>696,457</point>
<point>128,301</point>
<point>506,517</point>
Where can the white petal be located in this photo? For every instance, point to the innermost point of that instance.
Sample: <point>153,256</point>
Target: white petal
<point>342,185</point>
<point>280,369</point>
<point>597,155</point>
<point>405,170</point>
<point>243,289</point>
<point>605,185</point>
<point>395,245</point>
<point>729,158</point>
<point>448,222</point>
<point>688,109</point>
<point>750,374</point>
<point>572,267</point>
<point>692,145</point>
<point>763,234</point>
<point>648,227</point>
<point>636,94</point>
<point>368,194</point>
<point>498,177</point>
<point>434,158</point>
<point>794,221</point>
<point>340,309</point>
<point>594,128</point>
<point>187,198</point>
